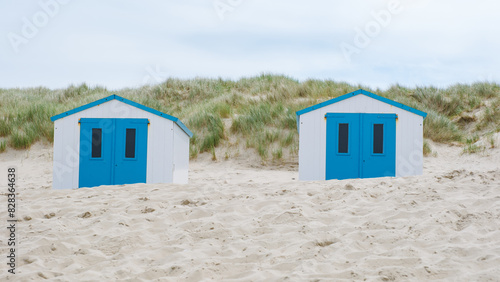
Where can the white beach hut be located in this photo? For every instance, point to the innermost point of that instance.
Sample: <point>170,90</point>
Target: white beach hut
<point>359,135</point>
<point>117,141</point>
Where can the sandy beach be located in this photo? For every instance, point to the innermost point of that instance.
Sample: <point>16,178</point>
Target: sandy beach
<point>239,221</point>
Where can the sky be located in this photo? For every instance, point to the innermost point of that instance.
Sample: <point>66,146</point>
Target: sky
<point>375,43</point>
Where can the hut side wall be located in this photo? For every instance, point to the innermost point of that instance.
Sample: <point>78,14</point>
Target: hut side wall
<point>312,140</point>
<point>181,156</point>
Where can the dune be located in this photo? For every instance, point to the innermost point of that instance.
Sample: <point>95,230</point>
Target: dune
<point>240,222</point>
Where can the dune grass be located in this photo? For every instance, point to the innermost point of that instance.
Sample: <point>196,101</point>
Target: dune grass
<point>259,110</point>
<point>471,147</point>
<point>209,131</point>
<point>427,148</point>
<point>3,146</point>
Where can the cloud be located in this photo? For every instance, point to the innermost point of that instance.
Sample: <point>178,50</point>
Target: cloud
<point>112,43</point>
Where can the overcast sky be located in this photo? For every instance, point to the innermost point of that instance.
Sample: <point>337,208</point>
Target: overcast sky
<point>116,44</point>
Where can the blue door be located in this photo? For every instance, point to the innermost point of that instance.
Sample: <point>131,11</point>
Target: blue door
<point>96,152</point>
<point>131,151</point>
<point>112,151</point>
<point>342,146</point>
<point>360,145</point>
<point>379,145</point>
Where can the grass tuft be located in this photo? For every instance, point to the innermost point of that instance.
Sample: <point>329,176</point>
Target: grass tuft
<point>441,129</point>
<point>3,146</point>
<point>20,139</point>
<point>210,130</point>
<point>5,128</point>
<point>471,147</point>
<point>262,150</point>
<point>491,140</point>
<point>427,148</point>
<point>278,154</point>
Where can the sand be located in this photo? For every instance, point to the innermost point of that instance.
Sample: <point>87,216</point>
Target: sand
<point>242,222</point>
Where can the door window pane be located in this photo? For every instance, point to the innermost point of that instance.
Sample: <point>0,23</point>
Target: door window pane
<point>96,142</point>
<point>343,137</point>
<point>378,138</point>
<point>130,143</point>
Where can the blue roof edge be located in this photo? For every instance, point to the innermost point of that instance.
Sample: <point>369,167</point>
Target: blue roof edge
<point>366,93</point>
<point>81,108</point>
<point>126,101</point>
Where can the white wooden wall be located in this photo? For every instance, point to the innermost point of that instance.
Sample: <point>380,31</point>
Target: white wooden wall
<point>161,148</point>
<point>312,136</point>
<point>181,156</point>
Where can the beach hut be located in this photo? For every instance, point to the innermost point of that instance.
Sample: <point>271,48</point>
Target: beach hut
<point>359,135</point>
<point>117,141</point>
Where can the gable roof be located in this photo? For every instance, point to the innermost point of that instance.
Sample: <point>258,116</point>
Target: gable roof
<point>126,101</point>
<point>366,93</point>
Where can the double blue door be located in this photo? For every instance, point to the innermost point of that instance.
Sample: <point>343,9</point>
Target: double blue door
<point>112,151</point>
<point>360,145</point>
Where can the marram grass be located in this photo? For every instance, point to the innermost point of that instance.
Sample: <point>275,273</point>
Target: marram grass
<point>259,111</point>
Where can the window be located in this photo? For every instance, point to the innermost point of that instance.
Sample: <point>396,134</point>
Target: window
<point>96,142</point>
<point>378,138</point>
<point>343,137</point>
<point>130,143</point>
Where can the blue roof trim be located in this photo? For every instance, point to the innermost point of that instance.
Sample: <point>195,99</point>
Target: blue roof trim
<point>329,102</point>
<point>81,108</point>
<point>381,115</point>
<point>366,93</point>
<point>126,101</point>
